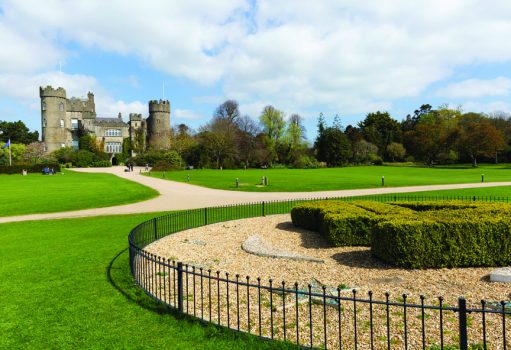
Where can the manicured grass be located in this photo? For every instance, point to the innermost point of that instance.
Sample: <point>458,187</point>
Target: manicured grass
<point>303,180</point>
<point>499,191</point>
<point>38,193</point>
<point>66,285</point>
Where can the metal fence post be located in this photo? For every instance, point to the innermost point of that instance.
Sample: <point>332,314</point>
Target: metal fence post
<point>180,286</point>
<point>155,229</point>
<point>262,208</point>
<point>205,216</point>
<point>462,314</point>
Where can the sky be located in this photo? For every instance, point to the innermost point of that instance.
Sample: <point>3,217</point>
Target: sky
<point>335,57</point>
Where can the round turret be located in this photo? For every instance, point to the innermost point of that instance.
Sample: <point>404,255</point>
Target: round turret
<point>49,91</point>
<point>158,124</point>
<point>53,117</point>
<point>159,106</point>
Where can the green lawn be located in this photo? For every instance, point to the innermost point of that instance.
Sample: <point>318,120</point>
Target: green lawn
<point>499,191</point>
<point>38,193</point>
<point>66,285</point>
<point>303,180</point>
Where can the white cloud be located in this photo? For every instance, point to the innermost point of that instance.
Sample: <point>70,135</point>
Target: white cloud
<point>186,114</point>
<point>346,56</point>
<point>488,107</point>
<point>473,88</point>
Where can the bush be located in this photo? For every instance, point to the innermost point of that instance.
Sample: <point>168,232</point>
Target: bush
<point>82,158</point>
<point>101,164</point>
<point>34,168</point>
<point>306,162</point>
<point>416,234</point>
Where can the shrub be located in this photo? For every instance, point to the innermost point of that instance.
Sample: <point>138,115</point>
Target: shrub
<point>101,164</point>
<point>34,168</point>
<point>430,234</point>
<point>82,158</point>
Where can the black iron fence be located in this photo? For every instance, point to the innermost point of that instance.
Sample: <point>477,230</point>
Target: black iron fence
<point>311,316</point>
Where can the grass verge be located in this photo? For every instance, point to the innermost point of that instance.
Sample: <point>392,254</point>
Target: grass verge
<point>38,193</point>
<point>306,180</point>
<point>66,285</point>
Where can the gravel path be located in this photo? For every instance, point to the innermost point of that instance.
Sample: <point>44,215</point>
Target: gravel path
<point>177,196</point>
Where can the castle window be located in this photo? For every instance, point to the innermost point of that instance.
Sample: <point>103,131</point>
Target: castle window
<point>62,123</point>
<point>44,122</point>
<point>74,124</point>
<point>157,121</point>
<point>62,145</point>
<point>113,132</point>
<point>43,106</point>
<point>61,107</point>
<point>113,147</point>
<point>74,144</point>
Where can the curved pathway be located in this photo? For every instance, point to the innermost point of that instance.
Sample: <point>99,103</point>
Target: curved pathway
<point>177,196</point>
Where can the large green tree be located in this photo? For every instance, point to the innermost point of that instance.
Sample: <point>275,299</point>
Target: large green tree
<point>381,129</point>
<point>273,125</point>
<point>17,132</point>
<point>477,137</point>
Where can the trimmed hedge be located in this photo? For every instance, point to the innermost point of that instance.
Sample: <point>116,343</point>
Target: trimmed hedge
<point>416,234</point>
<point>18,168</point>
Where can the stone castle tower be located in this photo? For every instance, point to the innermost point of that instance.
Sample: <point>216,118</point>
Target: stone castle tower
<point>64,119</point>
<point>158,124</point>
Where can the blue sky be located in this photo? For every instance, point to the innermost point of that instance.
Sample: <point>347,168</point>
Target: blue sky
<point>336,57</point>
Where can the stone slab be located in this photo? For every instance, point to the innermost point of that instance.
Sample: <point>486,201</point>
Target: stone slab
<point>502,274</point>
<point>255,245</point>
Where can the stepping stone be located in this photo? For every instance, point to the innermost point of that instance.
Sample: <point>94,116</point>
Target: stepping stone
<point>255,245</point>
<point>388,280</point>
<point>501,275</point>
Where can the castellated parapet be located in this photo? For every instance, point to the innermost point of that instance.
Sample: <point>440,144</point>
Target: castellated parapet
<point>159,106</point>
<point>135,116</point>
<point>49,91</point>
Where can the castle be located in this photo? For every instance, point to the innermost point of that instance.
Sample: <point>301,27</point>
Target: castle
<point>64,120</point>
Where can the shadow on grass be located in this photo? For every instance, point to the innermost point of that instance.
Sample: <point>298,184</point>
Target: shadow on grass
<point>119,277</point>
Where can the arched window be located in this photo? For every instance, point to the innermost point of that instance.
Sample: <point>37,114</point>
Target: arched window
<point>62,123</point>
<point>61,106</point>
<point>44,122</point>
<point>44,106</point>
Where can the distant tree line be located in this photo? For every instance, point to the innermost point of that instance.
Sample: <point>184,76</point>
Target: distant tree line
<point>431,136</point>
<point>235,140</point>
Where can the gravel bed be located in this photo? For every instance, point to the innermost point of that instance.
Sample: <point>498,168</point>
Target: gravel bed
<point>217,247</point>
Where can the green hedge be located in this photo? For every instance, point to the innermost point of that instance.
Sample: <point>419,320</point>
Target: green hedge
<point>416,234</point>
<point>18,168</point>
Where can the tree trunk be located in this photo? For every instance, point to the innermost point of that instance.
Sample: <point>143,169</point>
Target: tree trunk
<point>474,162</point>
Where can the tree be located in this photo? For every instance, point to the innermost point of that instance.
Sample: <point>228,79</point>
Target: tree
<point>247,146</point>
<point>337,147</point>
<point>35,153</point>
<point>433,135</point>
<point>363,151</point>
<point>273,124</point>
<point>17,150</point>
<point>295,135</point>
<point>381,129</point>
<point>320,146</point>
<point>17,132</point>
<point>396,151</point>
<point>478,138</point>
<point>228,110</point>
